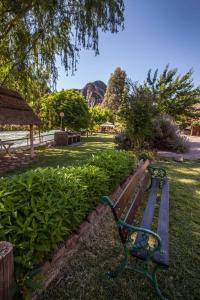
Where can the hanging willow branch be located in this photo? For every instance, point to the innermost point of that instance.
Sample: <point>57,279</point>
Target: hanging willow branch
<point>65,26</point>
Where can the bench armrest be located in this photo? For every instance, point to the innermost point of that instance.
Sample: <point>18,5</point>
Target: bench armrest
<point>107,200</point>
<point>142,239</point>
<point>157,172</point>
<point>146,233</point>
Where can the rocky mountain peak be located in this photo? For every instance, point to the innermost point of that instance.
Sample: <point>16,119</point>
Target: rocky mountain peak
<point>94,92</point>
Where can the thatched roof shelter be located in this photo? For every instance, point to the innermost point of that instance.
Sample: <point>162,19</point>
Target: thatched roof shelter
<point>15,111</point>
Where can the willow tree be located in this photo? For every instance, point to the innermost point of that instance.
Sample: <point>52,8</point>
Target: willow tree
<point>30,84</point>
<point>34,33</point>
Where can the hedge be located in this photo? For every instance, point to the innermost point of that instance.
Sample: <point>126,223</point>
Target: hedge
<point>117,165</point>
<point>41,207</point>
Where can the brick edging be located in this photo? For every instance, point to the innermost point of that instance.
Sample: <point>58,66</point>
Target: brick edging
<point>50,269</point>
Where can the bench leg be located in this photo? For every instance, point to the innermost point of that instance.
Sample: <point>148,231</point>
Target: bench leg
<point>150,275</point>
<point>123,265</point>
<point>139,268</point>
<point>118,270</point>
<point>155,283</point>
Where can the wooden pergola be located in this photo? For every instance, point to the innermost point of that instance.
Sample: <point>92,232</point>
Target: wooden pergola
<point>107,127</point>
<point>15,111</point>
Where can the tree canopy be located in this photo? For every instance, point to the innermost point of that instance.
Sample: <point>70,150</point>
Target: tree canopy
<point>74,106</point>
<point>137,112</point>
<point>30,85</point>
<point>34,33</point>
<point>115,90</point>
<point>175,95</point>
<point>99,115</point>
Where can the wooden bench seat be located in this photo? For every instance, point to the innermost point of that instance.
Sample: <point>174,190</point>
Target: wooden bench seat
<point>148,243</point>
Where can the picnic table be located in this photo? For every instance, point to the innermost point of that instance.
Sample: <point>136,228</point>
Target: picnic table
<point>6,146</point>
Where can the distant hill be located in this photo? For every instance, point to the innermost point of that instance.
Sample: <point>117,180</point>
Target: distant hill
<point>94,92</point>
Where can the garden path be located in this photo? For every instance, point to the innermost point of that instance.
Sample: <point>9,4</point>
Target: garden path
<point>193,154</point>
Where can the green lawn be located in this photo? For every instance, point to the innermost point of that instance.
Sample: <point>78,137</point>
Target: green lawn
<point>84,276</point>
<point>69,156</point>
<point>73,155</point>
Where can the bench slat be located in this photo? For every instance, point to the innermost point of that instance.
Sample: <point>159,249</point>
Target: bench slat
<point>136,201</point>
<point>128,191</point>
<point>147,217</point>
<point>149,210</point>
<point>163,226</point>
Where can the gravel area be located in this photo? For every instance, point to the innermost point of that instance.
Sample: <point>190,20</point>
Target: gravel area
<point>193,154</point>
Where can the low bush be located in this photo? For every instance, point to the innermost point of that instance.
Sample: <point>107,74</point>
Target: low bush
<point>41,207</point>
<point>117,164</point>
<point>94,179</point>
<point>146,154</point>
<point>123,141</point>
<point>166,135</point>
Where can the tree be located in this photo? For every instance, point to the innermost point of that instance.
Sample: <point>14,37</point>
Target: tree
<point>34,33</point>
<point>30,85</point>
<point>99,115</point>
<point>137,112</point>
<point>74,106</point>
<point>115,90</point>
<point>174,94</point>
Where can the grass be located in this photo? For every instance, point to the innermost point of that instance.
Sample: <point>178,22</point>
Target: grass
<point>73,155</point>
<point>84,275</point>
<point>69,156</point>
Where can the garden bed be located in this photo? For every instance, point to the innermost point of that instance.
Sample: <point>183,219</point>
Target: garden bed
<point>41,208</point>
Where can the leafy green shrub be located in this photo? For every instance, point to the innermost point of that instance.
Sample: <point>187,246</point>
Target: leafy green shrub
<point>117,164</point>
<point>146,154</point>
<point>137,112</point>
<point>40,208</point>
<point>94,179</point>
<point>166,135</point>
<point>123,141</point>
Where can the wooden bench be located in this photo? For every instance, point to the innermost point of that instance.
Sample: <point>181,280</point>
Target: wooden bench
<point>145,250</point>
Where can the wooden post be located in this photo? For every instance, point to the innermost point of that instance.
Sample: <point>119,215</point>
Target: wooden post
<point>191,132</point>
<point>6,270</point>
<point>39,133</point>
<point>31,141</point>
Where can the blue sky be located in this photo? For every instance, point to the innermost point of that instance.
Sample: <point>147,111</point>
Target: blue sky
<point>156,32</point>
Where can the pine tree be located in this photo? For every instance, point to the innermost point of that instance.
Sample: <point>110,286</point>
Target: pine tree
<point>115,90</point>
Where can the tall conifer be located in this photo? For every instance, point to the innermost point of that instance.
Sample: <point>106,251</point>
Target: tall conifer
<point>115,90</point>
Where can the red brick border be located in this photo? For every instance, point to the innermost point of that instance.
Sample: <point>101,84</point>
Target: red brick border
<point>50,270</point>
